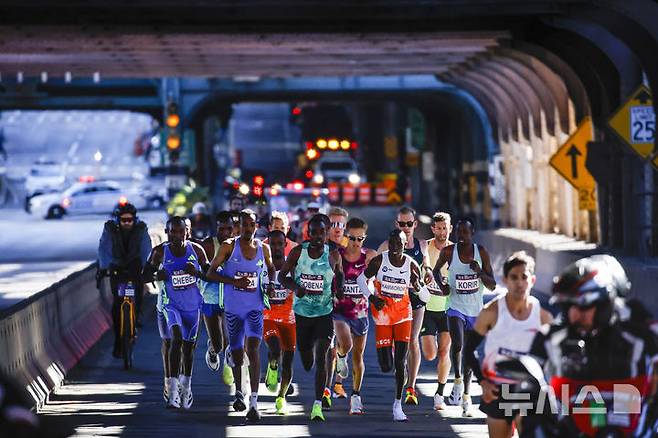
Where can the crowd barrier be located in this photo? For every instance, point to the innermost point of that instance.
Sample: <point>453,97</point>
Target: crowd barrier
<point>44,336</point>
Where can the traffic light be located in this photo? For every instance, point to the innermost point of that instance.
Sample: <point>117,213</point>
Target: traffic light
<point>172,122</point>
<point>259,182</point>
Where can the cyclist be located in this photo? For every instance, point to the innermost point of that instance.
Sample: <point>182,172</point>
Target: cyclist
<point>123,249</point>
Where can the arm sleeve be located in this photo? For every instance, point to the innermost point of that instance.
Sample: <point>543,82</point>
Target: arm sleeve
<point>105,250</point>
<point>362,281</point>
<point>473,340</point>
<point>146,247</point>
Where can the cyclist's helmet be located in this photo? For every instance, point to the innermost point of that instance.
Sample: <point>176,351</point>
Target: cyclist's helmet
<point>589,281</point>
<point>123,208</point>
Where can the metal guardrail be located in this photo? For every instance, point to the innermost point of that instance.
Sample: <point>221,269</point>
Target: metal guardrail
<point>44,336</point>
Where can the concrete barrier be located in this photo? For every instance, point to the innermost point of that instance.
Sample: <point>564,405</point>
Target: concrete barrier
<point>44,336</point>
<point>553,252</point>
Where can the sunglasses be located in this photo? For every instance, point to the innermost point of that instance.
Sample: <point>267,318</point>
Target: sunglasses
<point>338,225</point>
<point>126,220</point>
<point>407,224</point>
<point>356,238</point>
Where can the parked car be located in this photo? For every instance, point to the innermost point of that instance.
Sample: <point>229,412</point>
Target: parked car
<point>45,177</point>
<point>84,198</point>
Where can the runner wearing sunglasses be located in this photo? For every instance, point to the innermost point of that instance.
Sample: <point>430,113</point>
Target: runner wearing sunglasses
<point>351,312</point>
<point>417,250</point>
<point>337,240</point>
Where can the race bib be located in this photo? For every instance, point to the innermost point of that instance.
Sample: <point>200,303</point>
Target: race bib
<point>253,280</point>
<point>434,289</point>
<point>467,283</point>
<point>393,287</point>
<point>280,294</point>
<point>351,289</point>
<point>127,290</point>
<point>181,280</point>
<point>313,283</point>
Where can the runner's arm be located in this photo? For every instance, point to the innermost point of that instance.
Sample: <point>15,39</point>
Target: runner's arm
<point>421,289</point>
<point>150,271</point>
<point>444,256</point>
<point>203,263</point>
<point>339,277</point>
<point>224,253</point>
<point>426,267</point>
<point>486,273</point>
<point>271,271</point>
<point>545,316</point>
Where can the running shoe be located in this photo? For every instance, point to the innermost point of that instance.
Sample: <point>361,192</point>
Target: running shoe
<point>356,407</point>
<point>339,391</point>
<point>439,402</point>
<point>398,414</point>
<point>174,396</point>
<point>326,399</point>
<point>455,397</point>
<point>316,412</point>
<point>238,403</point>
<point>281,406</point>
<point>341,367</point>
<point>253,414</point>
<point>212,359</point>
<point>467,406</point>
<point>410,397</point>
<point>272,378</point>
<point>186,397</point>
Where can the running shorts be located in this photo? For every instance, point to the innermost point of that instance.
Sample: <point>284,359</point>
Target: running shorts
<point>469,321</point>
<point>434,323</point>
<point>494,410</point>
<point>165,334</point>
<point>248,325</point>
<point>188,321</point>
<point>311,329</point>
<point>358,326</point>
<point>286,333</point>
<point>385,335</point>
<point>211,310</point>
<point>416,303</point>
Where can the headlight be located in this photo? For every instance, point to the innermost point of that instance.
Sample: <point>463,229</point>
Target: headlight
<point>354,178</point>
<point>318,178</point>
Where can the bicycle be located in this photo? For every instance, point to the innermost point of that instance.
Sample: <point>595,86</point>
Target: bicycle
<point>127,330</point>
<point>127,312</point>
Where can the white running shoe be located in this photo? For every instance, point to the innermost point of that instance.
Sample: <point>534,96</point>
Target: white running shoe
<point>356,407</point>
<point>174,395</point>
<point>212,358</point>
<point>186,397</point>
<point>341,366</point>
<point>439,402</point>
<point>455,397</point>
<point>467,406</point>
<point>398,414</point>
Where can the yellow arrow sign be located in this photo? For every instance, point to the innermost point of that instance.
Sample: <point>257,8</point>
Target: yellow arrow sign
<point>569,160</point>
<point>635,122</point>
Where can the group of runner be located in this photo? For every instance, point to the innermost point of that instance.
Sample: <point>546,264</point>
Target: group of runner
<point>315,297</point>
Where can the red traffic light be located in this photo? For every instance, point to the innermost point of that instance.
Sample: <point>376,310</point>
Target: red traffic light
<point>308,174</point>
<point>259,180</point>
<point>296,111</point>
<point>258,191</point>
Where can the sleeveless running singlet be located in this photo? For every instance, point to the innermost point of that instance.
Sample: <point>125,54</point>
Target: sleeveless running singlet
<point>393,288</point>
<point>437,302</point>
<point>353,305</point>
<point>511,336</point>
<point>181,289</point>
<point>466,288</point>
<point>316,276</point>
<point>417,255</point>
<point>237,300</point>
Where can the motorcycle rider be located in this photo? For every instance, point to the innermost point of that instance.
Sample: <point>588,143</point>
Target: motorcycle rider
<point>596,357</point>
<point>123,250</point>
